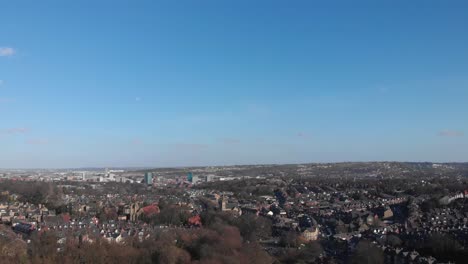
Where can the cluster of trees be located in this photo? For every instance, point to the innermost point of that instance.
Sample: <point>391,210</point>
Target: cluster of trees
<point>367,253</point>
<point>444,248</point>
<point>217,244</point>
<point>251,227</point>
<point>310,253</point>
<point>168,215</point>
<point>33,192</point>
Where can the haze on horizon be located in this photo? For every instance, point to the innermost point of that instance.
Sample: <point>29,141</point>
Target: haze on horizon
<point>187,83</point>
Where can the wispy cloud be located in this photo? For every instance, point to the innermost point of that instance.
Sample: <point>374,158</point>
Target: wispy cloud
<point>303,135</point>
<point>383,89</point>
<point>37,141</point>
<point>7,51</point>
<point>451,133</point>
<point>5,100</point>
<point>258,109</point>
<point>136,141</point>
<point>1,82</point>
<point>229,141</point>
<point>15,130</point>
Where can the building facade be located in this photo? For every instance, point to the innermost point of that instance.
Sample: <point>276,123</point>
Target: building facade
<point>148,178</point>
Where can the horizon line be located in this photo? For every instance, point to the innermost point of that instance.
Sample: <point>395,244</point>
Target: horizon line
<point>224,165</point>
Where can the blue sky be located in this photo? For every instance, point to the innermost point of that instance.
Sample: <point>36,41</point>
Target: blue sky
<point>181,83</point>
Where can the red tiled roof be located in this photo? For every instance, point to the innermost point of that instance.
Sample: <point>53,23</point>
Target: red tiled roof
<point>150,209</point>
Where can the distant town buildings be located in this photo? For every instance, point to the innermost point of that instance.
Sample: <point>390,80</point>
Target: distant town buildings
<point>340,209</point>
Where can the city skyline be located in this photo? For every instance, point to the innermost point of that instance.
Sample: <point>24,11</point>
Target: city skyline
<point>218,83</point>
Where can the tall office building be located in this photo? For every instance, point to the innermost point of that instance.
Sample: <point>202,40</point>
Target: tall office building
<point>189,177</point>
<point>148,178</point>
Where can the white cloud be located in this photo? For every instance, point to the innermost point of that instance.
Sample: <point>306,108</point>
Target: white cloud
<point>37,141</point>
<point>451,133</point>
<point>7,51</point>
<point>15,130</point>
